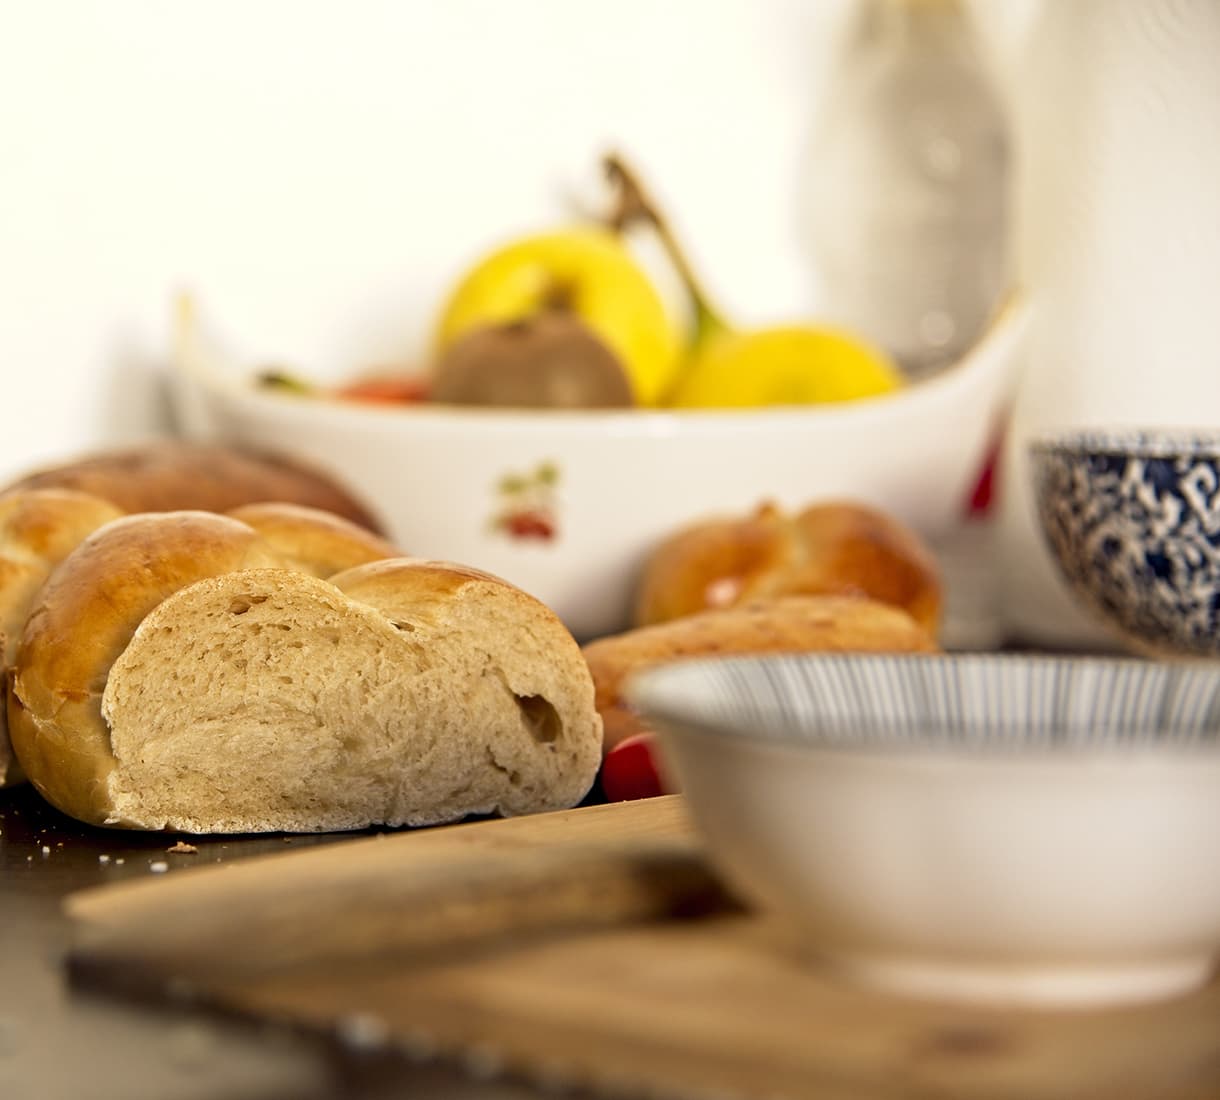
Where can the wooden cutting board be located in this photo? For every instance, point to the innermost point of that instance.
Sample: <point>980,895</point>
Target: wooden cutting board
<point>594,947</point>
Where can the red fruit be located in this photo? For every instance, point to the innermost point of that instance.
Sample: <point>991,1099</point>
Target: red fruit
<point>389,390</point>
<point>630,771</point>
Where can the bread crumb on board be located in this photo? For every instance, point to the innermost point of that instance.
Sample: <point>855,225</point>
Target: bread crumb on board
<point>182,847</point>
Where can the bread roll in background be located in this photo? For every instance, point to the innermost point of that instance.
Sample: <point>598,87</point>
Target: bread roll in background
<point>787,624</point>
<point>180,671</point>
<point>838,548</point>
<point>173,474</point>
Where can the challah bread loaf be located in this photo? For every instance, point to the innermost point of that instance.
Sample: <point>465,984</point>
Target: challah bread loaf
<point>178,673</point>
<point>832,548</point>
<point>38,529</point>
<point>172,475</point>
<point>793,624</point>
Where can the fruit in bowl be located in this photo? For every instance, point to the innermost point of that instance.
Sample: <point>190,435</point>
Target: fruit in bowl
<point>729,367</point>
<point>570,319</point>
<point>787,365</point>
<point>464,480</point>
<point>585,272</point>
<point>549,360</point>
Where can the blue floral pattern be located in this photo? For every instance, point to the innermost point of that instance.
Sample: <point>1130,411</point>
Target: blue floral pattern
<point>1134,524</point>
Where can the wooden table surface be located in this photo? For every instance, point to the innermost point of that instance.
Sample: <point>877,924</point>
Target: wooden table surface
<point>60,1043</point>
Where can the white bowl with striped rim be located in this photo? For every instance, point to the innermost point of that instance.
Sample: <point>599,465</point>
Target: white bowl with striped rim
<point>1007,829</point>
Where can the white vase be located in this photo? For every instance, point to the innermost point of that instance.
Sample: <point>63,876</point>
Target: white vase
<point>1117,243</point>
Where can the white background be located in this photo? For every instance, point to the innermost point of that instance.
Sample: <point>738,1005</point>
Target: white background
<point>318,173</point>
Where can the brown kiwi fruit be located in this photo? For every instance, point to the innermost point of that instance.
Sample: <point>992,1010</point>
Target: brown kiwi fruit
<point>551,360</point>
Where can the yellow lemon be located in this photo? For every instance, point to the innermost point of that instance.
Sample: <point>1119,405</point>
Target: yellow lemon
<point>797,365</point>
<point>588,272</point>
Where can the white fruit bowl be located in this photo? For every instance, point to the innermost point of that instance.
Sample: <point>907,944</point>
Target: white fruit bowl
<point>568,504</point>
<point>986,828</point>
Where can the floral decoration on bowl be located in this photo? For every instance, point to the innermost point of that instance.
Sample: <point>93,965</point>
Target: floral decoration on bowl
<point>527,505</point>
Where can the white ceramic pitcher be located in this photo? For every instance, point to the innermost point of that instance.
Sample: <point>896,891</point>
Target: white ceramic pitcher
<point>1117,242</point>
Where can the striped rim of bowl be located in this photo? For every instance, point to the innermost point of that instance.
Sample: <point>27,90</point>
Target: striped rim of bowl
<point>1134,442</point>
<point>1009,702</point>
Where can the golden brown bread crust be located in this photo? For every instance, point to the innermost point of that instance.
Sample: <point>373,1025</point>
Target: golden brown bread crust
<point>85,616</point>
<point>312,541</point>
<point>38,529</point>
<point>427,586</point>
<point>795,624</point>
<point>832,548</point>
<point>177,475</point>
<point>713,563</point>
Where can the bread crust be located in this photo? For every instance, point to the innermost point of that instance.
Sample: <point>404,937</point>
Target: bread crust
<point>38,529</point>
<point>176,475</point>
<point>318,543</point>
<point>789,624</point>
<point>829,548</point>
<point>423,586</point>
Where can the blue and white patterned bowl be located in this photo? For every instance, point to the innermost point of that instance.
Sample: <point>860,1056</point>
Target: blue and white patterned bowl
<point>1133,521</point>
<point>980,827</point>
